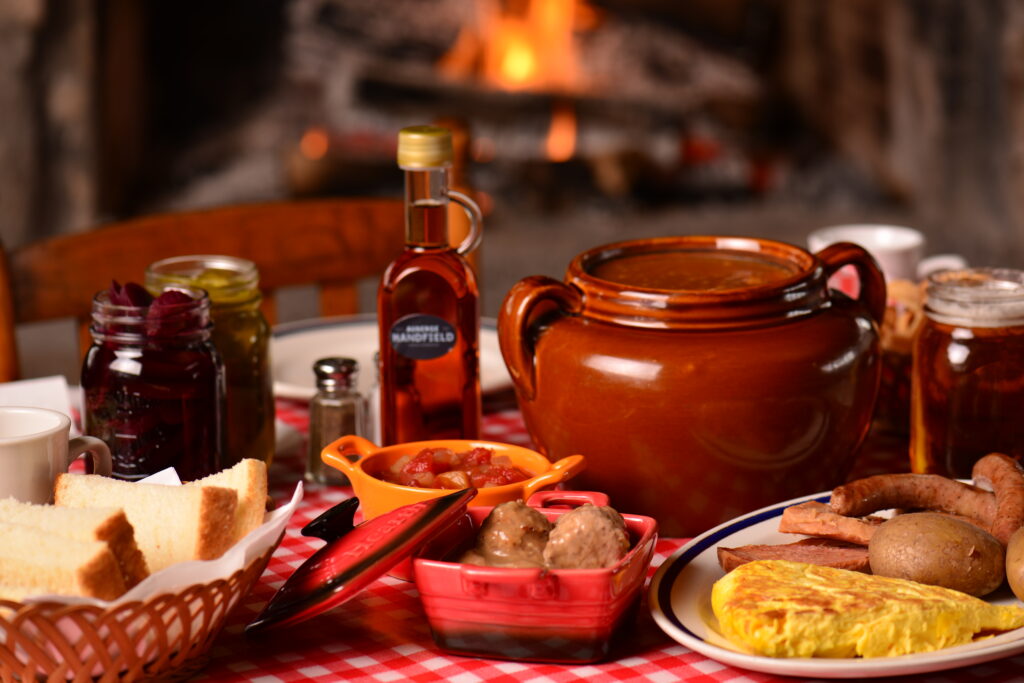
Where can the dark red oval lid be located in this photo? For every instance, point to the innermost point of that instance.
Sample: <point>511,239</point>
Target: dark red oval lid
<point>355,557</point>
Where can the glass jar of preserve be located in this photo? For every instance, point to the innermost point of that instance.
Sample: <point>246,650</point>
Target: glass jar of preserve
<point>154,386</point>
<point>967,392</point>
<point>242,337</point>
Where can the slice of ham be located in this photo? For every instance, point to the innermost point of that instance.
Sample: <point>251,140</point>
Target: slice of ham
<point>817,519</point>
<point>824,551</point>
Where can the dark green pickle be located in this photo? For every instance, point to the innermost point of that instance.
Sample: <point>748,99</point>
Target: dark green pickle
<point>242,337</point>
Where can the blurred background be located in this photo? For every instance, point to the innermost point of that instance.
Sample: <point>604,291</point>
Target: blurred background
<point>579,122</point>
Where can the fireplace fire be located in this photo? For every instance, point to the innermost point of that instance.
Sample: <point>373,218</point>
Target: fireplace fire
<point>630,102</point>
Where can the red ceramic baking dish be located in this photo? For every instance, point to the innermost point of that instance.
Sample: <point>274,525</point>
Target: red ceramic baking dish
<point>559,615</point>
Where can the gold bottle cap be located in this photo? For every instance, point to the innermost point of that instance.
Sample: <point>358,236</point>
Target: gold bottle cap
<point>421,147</point>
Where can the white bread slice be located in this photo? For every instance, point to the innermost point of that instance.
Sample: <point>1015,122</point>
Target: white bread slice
<point>109,525</point>
<point>249,479</point>
<point>172,523</point>
<point>56,564</point>
<point>17,593</point>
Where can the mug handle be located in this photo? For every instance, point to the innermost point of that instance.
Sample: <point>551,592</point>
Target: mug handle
<point>515,318</point>
<point>98,451</point>
<point>872,283</point>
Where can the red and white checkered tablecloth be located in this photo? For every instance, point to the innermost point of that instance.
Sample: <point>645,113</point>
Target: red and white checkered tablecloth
<point>382,635</point>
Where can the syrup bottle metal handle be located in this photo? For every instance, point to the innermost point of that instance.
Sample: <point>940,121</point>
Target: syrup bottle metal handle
<point>476,219</point>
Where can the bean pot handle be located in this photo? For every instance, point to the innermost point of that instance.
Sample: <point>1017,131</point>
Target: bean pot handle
<point>872,283</point>
<point>531,295</point>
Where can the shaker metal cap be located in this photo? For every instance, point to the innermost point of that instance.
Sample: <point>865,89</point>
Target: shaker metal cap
<point>336,372</point>
<point>424,147</point>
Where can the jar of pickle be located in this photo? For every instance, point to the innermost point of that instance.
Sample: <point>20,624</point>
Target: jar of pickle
<point>153,383</point>
<point>242,337</point>
<point>967,389</point>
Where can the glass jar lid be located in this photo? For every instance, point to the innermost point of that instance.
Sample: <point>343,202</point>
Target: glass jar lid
<point>976,297</point>
<point>227,279</point>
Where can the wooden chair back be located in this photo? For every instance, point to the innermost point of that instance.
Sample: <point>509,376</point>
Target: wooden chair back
<point>330,243</point>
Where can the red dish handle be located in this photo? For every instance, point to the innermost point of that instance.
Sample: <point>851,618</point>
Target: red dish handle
<point>481,574</point>
<point>546,499</point>
<point>542,584</point>
<point>530,295</point>
<point>872,282</point>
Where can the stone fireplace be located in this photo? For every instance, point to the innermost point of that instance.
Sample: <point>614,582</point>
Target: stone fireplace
<point>747,116</point>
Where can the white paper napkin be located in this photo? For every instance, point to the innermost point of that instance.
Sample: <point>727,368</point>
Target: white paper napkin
<point>42,392</point>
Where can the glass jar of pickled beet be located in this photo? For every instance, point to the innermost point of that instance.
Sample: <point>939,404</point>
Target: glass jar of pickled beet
<point>153,382</point>
<point>242,337</point>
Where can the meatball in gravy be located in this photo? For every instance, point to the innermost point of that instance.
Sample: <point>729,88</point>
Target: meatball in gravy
<point>589,537</point>
<point>513,535</point>
<point>516,535</point>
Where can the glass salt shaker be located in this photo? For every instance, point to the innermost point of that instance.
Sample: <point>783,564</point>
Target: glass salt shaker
<point>337,409</point>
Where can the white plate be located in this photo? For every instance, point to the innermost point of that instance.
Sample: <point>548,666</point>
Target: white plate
<point>680,599</point>
<point>294,347</point>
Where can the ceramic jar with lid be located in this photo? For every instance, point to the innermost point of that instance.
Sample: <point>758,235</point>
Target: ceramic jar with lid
<point>701,377</point>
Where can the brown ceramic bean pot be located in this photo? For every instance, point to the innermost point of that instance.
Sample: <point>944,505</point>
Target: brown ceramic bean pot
<point>702,377</point>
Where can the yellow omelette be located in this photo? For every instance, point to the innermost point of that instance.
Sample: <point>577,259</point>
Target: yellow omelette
<point>791,609</point>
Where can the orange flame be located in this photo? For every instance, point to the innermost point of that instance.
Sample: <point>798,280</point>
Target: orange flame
<point>561,140</point>
<point>314,143</point>
<point>532,49</point>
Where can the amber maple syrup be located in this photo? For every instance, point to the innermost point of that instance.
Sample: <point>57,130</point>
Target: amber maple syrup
<point>967,391</point>
<point>428,308</point>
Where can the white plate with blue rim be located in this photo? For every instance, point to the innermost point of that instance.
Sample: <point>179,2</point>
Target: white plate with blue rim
<point>680,601</point>
<point>295,346</point>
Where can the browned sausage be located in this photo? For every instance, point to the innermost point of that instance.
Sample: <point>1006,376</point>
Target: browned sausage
<point>1006,478</point>
<point>912,491</point>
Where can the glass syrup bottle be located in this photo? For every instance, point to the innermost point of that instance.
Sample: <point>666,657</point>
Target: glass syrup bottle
<point>428,306</point>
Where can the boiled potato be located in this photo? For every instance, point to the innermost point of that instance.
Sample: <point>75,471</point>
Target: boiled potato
<point>939,550</point>
<point>1015,563</point>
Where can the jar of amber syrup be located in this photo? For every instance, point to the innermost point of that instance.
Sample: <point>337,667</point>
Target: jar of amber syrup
<point>242,337</point>
<point>967,392</point>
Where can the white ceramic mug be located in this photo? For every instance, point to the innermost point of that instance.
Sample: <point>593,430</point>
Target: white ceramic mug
<point>35,447</point>
<point>899,251</point>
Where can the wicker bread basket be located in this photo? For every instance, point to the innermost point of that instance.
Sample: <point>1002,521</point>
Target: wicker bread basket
<point>163,637</point>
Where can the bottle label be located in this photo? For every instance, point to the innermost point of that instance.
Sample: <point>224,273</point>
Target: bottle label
<point>422,337</point>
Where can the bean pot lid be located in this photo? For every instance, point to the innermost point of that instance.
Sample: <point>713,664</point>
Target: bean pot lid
<point>356,556</point>
<point>696,264</point>
<point>695,280</point>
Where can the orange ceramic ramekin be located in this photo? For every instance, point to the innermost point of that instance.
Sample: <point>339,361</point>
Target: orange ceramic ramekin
<point>378,496</point>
